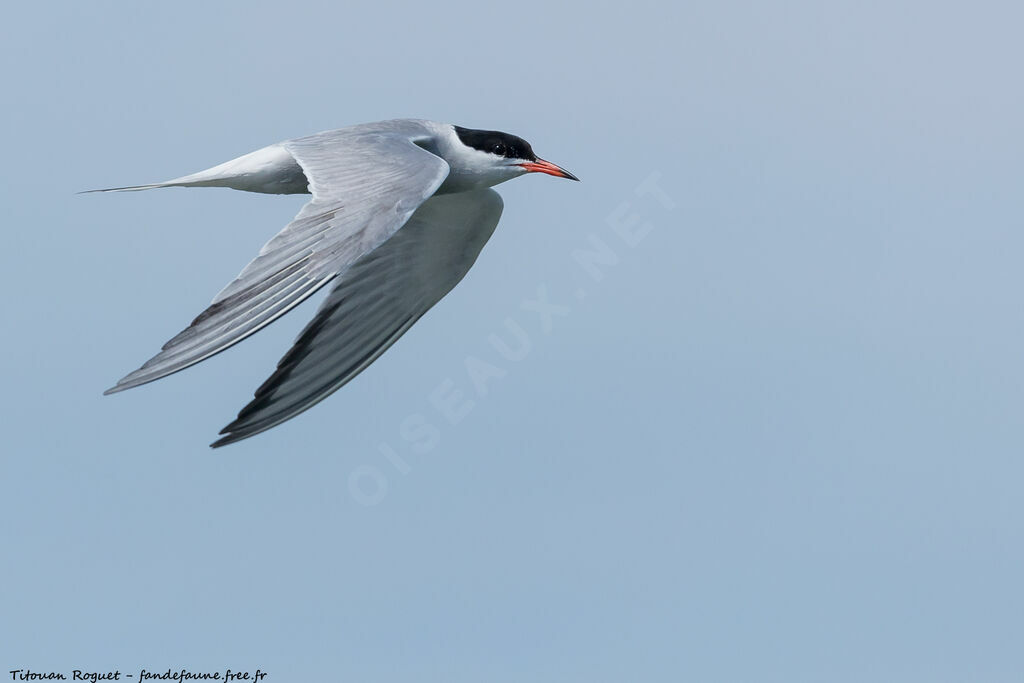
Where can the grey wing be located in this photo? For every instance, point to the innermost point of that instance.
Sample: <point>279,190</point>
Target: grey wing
<point>365,185</point>
<point>373,303</point>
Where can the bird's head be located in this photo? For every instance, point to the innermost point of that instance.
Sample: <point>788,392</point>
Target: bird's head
<point>497,157</point>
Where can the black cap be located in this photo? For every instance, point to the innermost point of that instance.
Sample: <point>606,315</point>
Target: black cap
<point>497,143</point>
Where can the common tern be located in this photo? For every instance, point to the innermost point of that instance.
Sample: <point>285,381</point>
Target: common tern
<point>399,213</point>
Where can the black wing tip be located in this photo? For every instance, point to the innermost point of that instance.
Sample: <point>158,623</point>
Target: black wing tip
<point>230,438</point>
<point>231,434</point>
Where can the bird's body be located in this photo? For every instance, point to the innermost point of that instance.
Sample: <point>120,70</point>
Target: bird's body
<point>399,213</point>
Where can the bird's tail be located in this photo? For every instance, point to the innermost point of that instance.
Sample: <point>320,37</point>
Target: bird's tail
<point>270,170</point>
<point>133,188</point>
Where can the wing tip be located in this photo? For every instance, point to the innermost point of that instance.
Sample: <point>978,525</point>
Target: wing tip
<point>229,439</point>
<point>117,388</point>
<point>129,381</point>
<point>230,434</point>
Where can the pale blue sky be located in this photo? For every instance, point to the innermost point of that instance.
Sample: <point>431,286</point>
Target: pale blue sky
<point>779,440</point>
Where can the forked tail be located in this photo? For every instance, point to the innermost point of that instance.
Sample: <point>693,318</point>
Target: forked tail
<point>132,188</point>
<point>270,170</point>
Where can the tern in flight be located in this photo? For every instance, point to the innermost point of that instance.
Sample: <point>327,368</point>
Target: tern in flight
<point>399,213</point>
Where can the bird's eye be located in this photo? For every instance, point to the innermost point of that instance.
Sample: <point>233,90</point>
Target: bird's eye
<point>498,148</point>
